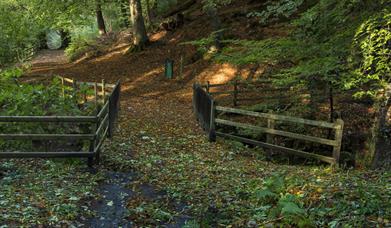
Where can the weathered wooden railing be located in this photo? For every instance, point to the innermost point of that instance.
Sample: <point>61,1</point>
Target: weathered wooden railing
<point>102,125</point>
<point>201,96</point>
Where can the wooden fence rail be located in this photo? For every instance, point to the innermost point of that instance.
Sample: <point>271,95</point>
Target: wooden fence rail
<point>102,123</point>
<point>204,104</point>
<point>264,90</point>
<point>235,88</point>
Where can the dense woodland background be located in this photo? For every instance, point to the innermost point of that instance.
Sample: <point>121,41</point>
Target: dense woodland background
<point>340,49</point>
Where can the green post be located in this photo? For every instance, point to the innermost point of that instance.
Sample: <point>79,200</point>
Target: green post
<point>169,69</point>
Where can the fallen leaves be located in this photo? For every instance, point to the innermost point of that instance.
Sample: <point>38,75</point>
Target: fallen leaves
<point>55,194</point>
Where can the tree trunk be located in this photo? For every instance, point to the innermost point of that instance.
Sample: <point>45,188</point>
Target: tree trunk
<point>380,147</point>
<point>139,32</point>
<point>125,15</point>
<point>99,18</point>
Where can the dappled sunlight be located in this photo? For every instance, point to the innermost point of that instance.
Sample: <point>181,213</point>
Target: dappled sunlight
<point>118,51</point>
<point>218,73</point>
<point>157,36</point>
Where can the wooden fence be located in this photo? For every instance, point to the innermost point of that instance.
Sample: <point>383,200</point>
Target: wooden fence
<point>102,125</point>
<point>271,129</point>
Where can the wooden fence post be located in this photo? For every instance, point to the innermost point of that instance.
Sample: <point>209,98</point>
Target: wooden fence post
<point>194,96</point>
<point>90,161</point>
<point>181,67</point>
<point>235,98</point>
<point>338,139</point>
<point>212,130</point>
<point>111,117</point>
<point>96,97</point>
<point>103,91</point>
<point>96,141</point>
<point>270,138</point>
<point>85,96</point>
<point>74,85</point>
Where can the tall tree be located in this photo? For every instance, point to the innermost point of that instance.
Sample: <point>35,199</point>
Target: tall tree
<point>99,18</point>
<point>140,38</point>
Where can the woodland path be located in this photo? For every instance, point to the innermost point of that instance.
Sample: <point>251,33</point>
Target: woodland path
<point>152,107</point>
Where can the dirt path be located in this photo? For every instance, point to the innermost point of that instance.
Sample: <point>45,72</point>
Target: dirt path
<point>48,57</point>
<point>166,100</point>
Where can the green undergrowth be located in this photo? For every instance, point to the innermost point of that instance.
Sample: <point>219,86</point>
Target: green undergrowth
<point>228,184</point>
<point>39,99</point>
<point>83,40</point>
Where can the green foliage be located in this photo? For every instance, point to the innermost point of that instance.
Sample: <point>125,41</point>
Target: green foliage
<point>277,9</point>
<point>372,50</point>
<point>37,100</point>
<point>334,42</point>
<point>241,52</point>
<point>82,39</point>
<point>215,3</point>
<point>204,44</point>
<point>278,203</point>
<point>19,32</point>
<point>24,24</point>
